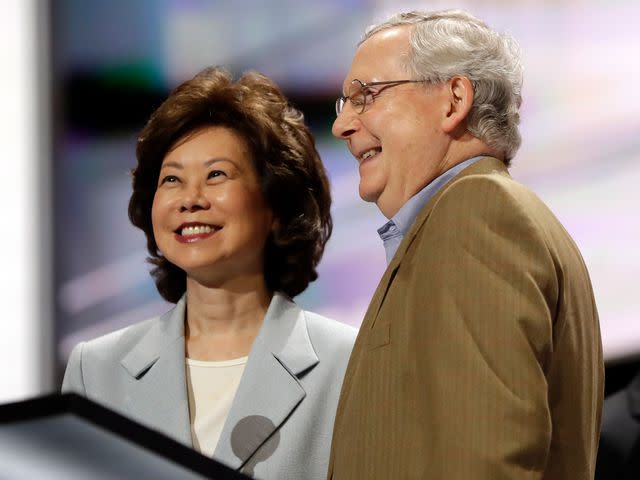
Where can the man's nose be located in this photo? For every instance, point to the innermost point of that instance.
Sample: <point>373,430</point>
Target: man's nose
<point>345,124</point>
<point>194,199</point>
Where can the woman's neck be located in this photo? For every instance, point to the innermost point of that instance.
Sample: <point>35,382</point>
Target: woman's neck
<point>222,322</point>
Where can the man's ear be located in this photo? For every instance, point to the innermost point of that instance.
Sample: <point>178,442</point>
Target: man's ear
<point>460,92</point>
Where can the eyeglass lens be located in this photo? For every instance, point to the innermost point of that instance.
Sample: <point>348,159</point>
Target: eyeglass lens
<point>358,96</point>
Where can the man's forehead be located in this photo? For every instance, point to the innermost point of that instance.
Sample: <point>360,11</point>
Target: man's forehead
<point>381,55</point>
<point>399,33</point>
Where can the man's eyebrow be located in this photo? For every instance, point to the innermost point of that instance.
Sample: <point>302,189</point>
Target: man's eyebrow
<point>344,89</point>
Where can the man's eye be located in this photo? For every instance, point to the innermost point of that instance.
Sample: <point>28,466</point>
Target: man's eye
<point>363,97</point>
<point>367,95</point>
<point>357,99</point>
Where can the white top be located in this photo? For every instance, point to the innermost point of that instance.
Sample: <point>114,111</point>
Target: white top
<point>211,387</point>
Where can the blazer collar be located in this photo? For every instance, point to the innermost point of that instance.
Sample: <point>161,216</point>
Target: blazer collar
<point>269,390</point>
<point>159,396</point>
<point>483,166</point>
<point>166,331</point>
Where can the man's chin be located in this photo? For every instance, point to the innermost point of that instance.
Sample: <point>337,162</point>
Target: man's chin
<point>369,196</point>
<point>385,203</point>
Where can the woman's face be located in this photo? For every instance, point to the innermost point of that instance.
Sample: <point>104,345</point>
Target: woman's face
<point>209,214</point>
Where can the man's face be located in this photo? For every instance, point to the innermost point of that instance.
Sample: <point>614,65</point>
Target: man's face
<point>401,127</point>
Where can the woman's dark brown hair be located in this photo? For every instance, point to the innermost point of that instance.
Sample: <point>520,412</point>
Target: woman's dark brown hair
<point>292,177</point>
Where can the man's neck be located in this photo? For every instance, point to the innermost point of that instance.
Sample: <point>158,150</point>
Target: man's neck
<point>459,150</point>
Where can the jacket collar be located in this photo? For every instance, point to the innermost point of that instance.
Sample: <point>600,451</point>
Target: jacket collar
<point>483,166</point>
<point>165,332</point>
<point>268,392</point>
<point>159,397</point>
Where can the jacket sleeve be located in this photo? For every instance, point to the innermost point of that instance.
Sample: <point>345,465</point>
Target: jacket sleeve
<point>483,310</point>
<point>73,381</point>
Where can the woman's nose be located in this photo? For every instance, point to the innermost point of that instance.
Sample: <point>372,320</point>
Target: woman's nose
<point>194,199</point>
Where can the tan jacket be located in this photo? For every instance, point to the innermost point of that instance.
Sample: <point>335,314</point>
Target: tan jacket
<point>480,355</point>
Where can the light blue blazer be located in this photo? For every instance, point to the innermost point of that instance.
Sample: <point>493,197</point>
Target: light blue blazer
<point>281,421</point>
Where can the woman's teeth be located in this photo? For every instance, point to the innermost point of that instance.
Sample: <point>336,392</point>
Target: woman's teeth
<point>200,229</point>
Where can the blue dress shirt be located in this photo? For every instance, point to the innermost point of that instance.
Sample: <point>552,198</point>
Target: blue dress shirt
<point>395,229</point>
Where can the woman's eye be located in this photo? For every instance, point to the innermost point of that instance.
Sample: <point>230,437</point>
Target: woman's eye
<point>169,179</point>
<point>216,173</point>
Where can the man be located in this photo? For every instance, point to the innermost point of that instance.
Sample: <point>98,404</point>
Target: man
<point>480,354</point>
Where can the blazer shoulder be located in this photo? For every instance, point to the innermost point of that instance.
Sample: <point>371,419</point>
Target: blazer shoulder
<point>496,183</point>
<point>330,337</point>
<point>495,196</point>
<point>112,346</point>
<point>101,352</point>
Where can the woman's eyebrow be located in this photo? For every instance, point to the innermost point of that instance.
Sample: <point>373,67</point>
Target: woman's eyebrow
<point>171,164</point>
<point>211,161</point>
<point>207,163</point>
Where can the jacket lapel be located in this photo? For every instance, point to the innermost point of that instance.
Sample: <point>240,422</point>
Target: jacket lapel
<point>269,389</point>
<point>482,166</point>
<point>158,397</point>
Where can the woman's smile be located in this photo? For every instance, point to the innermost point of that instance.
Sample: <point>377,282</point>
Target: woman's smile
<point>194,232</point>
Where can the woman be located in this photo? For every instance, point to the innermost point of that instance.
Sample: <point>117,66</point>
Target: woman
<point>234,201</point>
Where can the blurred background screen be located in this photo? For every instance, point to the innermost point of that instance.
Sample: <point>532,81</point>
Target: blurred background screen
<point>115,61</point>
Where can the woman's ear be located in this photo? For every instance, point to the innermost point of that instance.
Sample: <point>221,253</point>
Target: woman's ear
<point>460,92</point>
<point>275,225</point>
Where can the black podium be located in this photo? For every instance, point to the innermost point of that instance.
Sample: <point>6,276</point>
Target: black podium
<point>70,437</point>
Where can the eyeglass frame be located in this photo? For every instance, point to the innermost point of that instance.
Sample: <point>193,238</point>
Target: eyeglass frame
<point>342,99</point>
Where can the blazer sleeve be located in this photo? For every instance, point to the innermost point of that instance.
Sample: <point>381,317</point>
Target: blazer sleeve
<point>73,380</point>
<point>483,296</point>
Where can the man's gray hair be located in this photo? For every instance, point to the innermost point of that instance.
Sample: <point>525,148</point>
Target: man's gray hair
<point>453,42</point>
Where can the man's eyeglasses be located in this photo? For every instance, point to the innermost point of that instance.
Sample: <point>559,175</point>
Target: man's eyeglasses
<point>361,94</point>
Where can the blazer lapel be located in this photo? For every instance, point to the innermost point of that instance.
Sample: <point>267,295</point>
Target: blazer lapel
<point>269,389</point>
<point>158,398</point>
<point>485,165</point>
<point>482,166</point>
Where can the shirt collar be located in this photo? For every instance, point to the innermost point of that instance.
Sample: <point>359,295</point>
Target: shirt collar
<point>400,223</point>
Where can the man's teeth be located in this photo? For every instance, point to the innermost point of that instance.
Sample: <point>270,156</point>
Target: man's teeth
<point>369,153</point>
<point>197,230</point>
